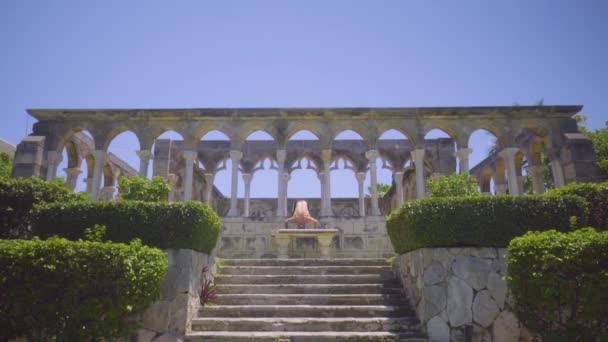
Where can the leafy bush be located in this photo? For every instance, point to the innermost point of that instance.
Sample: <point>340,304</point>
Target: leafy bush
<point>456,184</point>
<point>17,196</point>
<point>142,189</point>
<point>75,291</point>
<point>190,225</point>
<point>6,165</point>
<point>559,282</point>
<point>479,221</point>
<point>596,195</point>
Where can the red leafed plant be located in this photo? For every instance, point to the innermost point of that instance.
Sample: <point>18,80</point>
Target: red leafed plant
<point>208,290</point>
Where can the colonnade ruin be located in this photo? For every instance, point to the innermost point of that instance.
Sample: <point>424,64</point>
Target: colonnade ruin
<point>524,135</point>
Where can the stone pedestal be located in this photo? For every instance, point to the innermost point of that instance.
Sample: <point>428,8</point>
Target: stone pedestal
<point>324,238</point>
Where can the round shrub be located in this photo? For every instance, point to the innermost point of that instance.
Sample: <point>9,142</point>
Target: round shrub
<point>17,196</point>
<point>456,184</point>
<point>490,221</point>
<point>189,225</point>
<point>75,291</point>
<point>559,282</point>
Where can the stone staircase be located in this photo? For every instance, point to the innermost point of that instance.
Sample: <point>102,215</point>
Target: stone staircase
<point>307,300</point>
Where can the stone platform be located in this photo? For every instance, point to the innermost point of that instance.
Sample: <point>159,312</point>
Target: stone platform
<point>363,237</point>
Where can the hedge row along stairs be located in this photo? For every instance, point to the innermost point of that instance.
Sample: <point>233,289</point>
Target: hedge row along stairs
<point>307,300</point>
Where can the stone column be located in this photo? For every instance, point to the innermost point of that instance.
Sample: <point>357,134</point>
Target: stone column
<point>326,157</point>
<point>209,178</point>
<point>100,159</point>
<point>107,193</point>
<point>536,174</point>
<point>418,157</point>
<point>247,183</point>
<point>321,176</point>
<point>189,157</point>
<point>398,176</point>
<point>172,179</point>
<point>286,177</point>
<point>556,168</point>
<point>235,157</point>
<point>53,158</point>
<point>144,159</point>
<point>463,159</point>
<point>360,180</point>
<point>372,155</point>
<point>71,174</point>
<point>508,155</point>
<point>281,154</point>
<point>89,185</point>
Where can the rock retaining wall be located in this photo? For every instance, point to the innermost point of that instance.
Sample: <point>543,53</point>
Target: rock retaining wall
<point>169,319</point>
<point>460,293</point>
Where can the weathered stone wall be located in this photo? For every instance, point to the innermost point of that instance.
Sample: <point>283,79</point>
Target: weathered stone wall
<point>169,319</point>
<point>251,238</point>
<point>460,293</point>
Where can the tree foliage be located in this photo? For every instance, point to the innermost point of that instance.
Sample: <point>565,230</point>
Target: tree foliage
<point>456,184</point>
<point>559,282</point>
<point>599,138</point>
<point>142,189</point>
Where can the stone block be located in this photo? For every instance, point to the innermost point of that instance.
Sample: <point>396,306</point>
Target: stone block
<point>438,330</point>
<point>156,317</point>
<point>472,270</point>
<point>498,288</point>
<point>434,273</point>
<point>481,334</point>
<point>484,309</point>
<point>168,337</point>
<point>460,300</point>
<point>353,242</point>
<point>432,302</point>
<point>145,335</point>
<point>506,327</point>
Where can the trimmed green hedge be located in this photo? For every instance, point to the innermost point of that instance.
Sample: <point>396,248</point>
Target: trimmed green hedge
<point>560,283</point>
<point>17,196</point>
<point>189,225</point>
<point>596,195</point>
<point>479,221</point>
<point>75,291</point>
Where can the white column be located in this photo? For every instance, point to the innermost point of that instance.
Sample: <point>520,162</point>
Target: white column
<point>189,157</point>
<point>556,169</point>
<point>372,155</point>
<point>172,179</point>
<point>209,178</point>
<point>360,180</point>
<point>53,158</point>
<point>144,160</point>
<point>536,174</point>
<point>89,185</point>
<point>235,157</point>
<point>321,176</point>
<point>463,159</point>
<point>418,157</point>
<point>398,176</point>
<point>100,159</point>
<point>281,154</point>
<point>326,157</point>
<point>247,183</point>
<point>71,174</point>
<point>508,155</point>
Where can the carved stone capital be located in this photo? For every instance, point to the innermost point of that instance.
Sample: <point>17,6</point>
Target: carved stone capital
<point>190,155</point>
<point>372,155</point>
<point>144,155</point>
<point>236,155</point>
<point>326,156</point>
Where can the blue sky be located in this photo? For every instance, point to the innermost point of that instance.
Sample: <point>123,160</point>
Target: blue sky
<point>82,54</point>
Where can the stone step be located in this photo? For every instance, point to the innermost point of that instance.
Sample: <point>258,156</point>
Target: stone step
<point>402,324</point>
<point>308,289</point>
<point>295,270</point>
<point>303,336</point>
<point>305,311</point>
<point>309,299</point>
<point>306,262</point>
<point>387,279</point>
